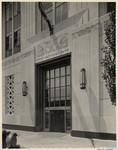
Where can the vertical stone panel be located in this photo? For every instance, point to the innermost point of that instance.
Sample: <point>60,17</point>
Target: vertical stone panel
<point>85,103</point>
<point>93,10</point>
<point>103,91</point>
<point>106,109</point>
<point>94,57</point>
<point>28,19</point>
<point>78,6</point>
<point>71,11</point>
<point>28,101</point>
<point>108,124</point>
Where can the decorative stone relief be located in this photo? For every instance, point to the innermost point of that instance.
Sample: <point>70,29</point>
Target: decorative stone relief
<point>40,51</point>
<point>64,42</point>
<point>48,47</point>
<point>54,44</point>
<point>9,92</point>
<point>85,31</point>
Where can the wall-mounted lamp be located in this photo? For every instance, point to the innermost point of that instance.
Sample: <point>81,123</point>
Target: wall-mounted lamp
<point>82,78</point>
<point>24,88</point>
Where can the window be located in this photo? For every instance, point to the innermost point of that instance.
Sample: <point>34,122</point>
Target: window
<point>61,13</point>
<point>58,87</point>
<point>13,28</point>
<point>48,11</point>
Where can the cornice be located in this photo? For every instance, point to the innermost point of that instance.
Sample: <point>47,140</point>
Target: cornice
<point>17,57</point>
<point>85,30</point>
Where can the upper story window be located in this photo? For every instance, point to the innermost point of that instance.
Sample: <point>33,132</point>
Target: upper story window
<point>48,11</point>
<point>61,12</point>
<point>56,13</point>
<point>12,28</point>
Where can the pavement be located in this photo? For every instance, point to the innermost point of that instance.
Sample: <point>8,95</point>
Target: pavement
<point>26,139</point>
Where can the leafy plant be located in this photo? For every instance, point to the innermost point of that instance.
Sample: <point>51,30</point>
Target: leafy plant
<point>109,51</point>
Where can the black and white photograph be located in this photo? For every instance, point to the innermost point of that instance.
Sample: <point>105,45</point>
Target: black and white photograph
<point>58,74</point>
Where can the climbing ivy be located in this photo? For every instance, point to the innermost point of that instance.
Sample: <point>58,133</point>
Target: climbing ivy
<point>109,51</point>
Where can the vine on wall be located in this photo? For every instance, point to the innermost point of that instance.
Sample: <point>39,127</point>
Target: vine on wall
<point>109,51</point>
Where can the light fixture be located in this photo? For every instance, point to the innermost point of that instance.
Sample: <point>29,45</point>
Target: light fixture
<point>24,88</point>
<point>82,78</point>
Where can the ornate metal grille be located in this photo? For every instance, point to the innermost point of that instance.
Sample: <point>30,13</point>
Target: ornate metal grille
<point>9,92</point>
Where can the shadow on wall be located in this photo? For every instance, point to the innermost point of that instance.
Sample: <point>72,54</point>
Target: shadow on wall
<point>31,107</point>
<point>93,104</point>
<point>80,113</point>
<point>82,119</point>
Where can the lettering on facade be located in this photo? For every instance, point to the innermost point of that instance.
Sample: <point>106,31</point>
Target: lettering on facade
<point>52,55</point>
<point>20,56</point>
<point>54,47</point>
<point>85,31</point>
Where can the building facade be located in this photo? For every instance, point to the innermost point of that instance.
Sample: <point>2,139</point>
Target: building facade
<point>54,82</point>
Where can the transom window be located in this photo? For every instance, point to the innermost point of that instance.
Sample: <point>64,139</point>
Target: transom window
<point>12,28</point>
<point>57,87</point>
<point>58,10</point>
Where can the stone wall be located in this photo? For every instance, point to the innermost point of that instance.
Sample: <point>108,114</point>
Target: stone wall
<point>85,54</point>
<point>22,67</point>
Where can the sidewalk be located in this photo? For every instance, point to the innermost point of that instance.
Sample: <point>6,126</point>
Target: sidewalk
<point>28,139</point>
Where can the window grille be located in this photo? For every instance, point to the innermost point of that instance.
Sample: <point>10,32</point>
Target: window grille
<point>9,93</point>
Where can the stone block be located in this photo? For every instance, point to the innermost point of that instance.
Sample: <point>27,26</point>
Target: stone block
<point>17,99</point>
<point>17,78</point>
<point>17,68</point>
<point>9,71</point>
<point>107,109</point>
<point>103,91</point>
<point>108,124</point>
<point>86,123</point>
<point>93,10</point>
<point>17,89</point>
<point>17,120</point>
<point>17,109</point>
<point>9,119</point>
<point>28,121</point>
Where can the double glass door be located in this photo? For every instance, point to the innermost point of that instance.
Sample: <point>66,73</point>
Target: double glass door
<point>57,99</point>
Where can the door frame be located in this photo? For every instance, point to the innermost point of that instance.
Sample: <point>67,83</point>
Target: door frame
<point>39,113</point>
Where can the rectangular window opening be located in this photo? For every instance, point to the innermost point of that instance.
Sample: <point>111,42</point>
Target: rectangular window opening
<point>13,28</point>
